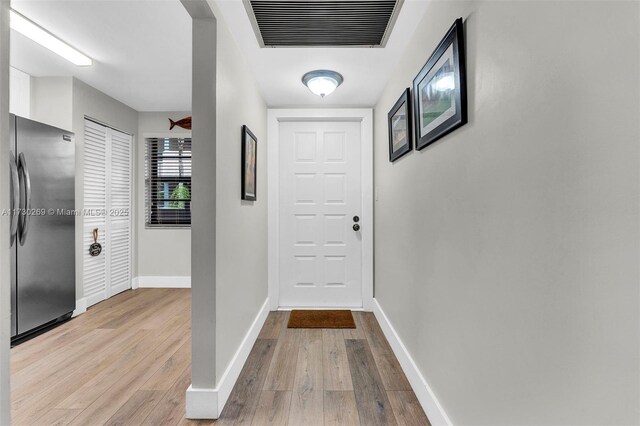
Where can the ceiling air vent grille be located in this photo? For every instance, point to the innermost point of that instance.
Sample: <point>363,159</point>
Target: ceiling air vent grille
<point>323,23</point>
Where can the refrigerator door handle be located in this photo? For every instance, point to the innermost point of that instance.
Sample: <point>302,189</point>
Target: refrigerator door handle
<point>15,190</point>
<point>25,215</point>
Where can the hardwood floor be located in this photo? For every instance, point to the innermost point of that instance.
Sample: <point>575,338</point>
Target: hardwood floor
<point>127,361</point>
<point>322,377</point>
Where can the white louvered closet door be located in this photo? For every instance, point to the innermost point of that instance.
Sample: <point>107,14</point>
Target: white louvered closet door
<point>95,202</point>
<point>119,215</point>
<point>107,194</point>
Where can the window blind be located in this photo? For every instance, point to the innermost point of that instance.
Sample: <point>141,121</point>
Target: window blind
<point>168,182</point>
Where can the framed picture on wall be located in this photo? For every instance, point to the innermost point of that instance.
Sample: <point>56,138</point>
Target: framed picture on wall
<point>249,162</point>
<point>440,90</point>
<point>399,120</point>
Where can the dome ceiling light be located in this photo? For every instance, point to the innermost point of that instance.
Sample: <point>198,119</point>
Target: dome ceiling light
<point>322,82</point>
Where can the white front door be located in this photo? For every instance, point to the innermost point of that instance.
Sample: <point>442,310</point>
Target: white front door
<point>320,202</point>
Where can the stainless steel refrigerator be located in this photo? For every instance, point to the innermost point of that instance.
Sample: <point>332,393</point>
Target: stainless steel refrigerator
<point>42,168</point>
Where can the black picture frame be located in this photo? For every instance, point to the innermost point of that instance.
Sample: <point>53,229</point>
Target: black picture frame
<point>440,84</point>
<point>249,165</point>
<point>394,120</point>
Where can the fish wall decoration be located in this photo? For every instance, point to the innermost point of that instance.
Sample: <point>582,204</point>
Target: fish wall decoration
<point>185,123</point>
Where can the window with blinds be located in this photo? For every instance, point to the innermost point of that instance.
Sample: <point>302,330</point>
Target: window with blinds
<point>168,182</point>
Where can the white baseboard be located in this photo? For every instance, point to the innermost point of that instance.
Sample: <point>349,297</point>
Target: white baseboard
<point>81,307</point>
<point>209,403</point>
<point>161,282</point>
<point>201,403</point>
<point>421,388</point>
<point>95,298</point>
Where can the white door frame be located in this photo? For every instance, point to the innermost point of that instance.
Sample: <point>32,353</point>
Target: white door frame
<point>274,118</point>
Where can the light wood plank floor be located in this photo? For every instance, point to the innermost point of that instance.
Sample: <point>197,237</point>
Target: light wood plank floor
<point>127,361</point>
<point>322,377</point>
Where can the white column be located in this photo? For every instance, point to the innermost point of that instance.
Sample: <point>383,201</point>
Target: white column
<point>202,395</point>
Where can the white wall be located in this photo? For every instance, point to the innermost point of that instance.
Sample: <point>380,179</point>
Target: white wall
<point>507,253</point>
<point>64,102</point>
<point>203,212</point>
<point>20,93</point>
<point>229,236</point>
<point>52,101</point>
<point>161,251</point>
<point>5,292</point>
<point>241,226</point>
<point>90,102</point>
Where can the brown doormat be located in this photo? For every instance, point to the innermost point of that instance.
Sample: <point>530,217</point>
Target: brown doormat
<point>321,319</point>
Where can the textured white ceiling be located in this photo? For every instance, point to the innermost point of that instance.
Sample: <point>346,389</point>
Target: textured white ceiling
<point>142,53</point>
<point>365,70</point>
<point>141,49</point>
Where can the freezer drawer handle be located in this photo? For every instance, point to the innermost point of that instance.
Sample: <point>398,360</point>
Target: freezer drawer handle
<point>25,217</point>
<point>15,190</point>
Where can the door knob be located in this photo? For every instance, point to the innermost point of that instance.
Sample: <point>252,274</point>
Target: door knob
<point>356,227</point>
<point>356,219</point>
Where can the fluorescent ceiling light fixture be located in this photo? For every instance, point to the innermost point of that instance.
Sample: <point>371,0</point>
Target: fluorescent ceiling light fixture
<point>322,82</point>
<point>44,38</point>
